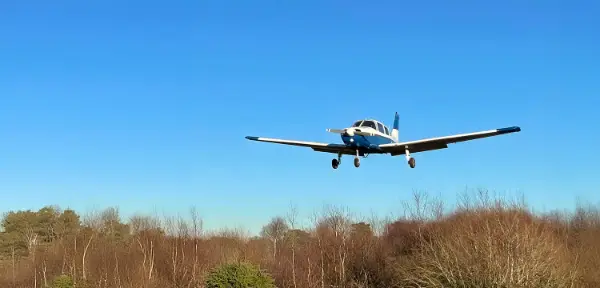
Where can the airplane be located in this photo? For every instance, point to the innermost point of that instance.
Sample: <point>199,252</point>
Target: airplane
<point>369,136</point>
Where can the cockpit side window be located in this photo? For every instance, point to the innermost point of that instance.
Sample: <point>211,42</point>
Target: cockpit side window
<point>357,123</point>
<point>386,130</point>
<point>380,127</point>
<point>369,124</point>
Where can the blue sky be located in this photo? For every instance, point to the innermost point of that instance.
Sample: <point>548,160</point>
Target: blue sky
<point>145,105</point>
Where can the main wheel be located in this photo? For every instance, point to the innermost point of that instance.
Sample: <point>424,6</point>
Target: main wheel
<point>356,162</point>
<point>335,163</point>
<point>411,162</point>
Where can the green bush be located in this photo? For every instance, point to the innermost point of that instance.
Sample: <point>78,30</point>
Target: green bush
<point>238,275</point>
<point>62,281</point>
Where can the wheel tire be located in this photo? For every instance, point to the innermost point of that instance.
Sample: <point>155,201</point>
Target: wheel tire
<point>412,163</point>
<point>356,162</point>
<point>335,163</point>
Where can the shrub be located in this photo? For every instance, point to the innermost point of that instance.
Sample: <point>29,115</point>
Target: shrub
<point>238,275</point>
<point>62,281</point>
<point>500,248</point>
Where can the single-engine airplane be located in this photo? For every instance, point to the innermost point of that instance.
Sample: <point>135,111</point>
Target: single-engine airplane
<point>369,136</point>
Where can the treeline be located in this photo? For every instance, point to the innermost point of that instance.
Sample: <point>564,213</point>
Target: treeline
<point>483,242</point>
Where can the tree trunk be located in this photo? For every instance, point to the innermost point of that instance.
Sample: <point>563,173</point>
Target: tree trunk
<point>83,275</point>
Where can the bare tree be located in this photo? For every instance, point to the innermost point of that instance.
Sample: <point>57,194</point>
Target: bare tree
<point>291,217</point>
<point>144,229</point>
<point>339,221</point>
<point>274,231</point>
<point>197,226</point>
<point>316,219</point>
<point>92,220</point>
<point>179,230</point>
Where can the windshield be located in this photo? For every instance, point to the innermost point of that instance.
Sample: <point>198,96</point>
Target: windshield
<point>357,123</point>
<point>369,124</point>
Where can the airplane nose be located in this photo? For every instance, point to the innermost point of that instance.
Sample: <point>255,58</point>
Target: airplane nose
<point>350,132</point>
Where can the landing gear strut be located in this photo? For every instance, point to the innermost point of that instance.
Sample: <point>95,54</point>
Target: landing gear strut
<point>356,160</point>
<point>336,162</point>
<point>411,160</point>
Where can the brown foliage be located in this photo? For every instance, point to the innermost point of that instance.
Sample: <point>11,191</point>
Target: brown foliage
<point>482,243</point>
<point>500,248</point>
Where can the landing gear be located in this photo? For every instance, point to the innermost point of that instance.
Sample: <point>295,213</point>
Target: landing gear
<point>336,162</point>
<point>411,160</point>
<point>356,160</point>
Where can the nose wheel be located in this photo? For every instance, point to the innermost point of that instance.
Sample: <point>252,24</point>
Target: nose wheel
<point>356,162</point>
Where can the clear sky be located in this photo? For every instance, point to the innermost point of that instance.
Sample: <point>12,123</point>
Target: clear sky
<point>145,104</point>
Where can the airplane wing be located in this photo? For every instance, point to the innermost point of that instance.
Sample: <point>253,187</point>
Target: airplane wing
<point>442,142</point>
<point>316,146</point>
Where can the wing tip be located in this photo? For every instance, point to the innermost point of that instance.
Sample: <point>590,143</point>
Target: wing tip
<point>254,138</point>
<point>507,130</point>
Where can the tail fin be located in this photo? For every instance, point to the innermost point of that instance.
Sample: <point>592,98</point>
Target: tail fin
<point>395,132</point>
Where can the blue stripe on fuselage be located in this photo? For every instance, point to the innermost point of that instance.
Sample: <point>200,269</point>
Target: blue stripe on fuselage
<point>369,143</point>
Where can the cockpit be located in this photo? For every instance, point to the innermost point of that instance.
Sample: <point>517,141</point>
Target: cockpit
<point>373,124</point>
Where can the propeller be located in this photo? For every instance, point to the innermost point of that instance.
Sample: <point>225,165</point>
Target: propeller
<point>350,132</point>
